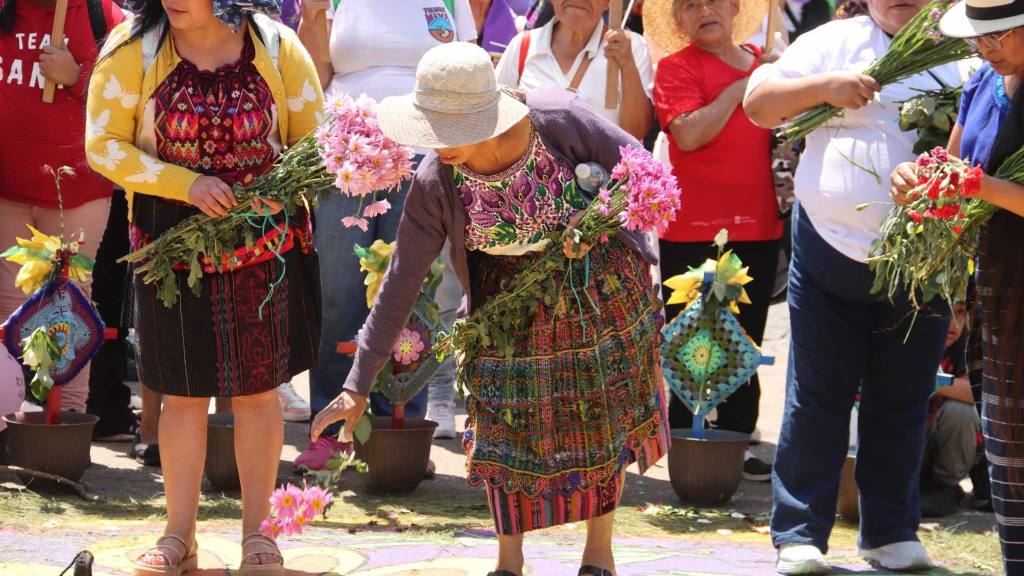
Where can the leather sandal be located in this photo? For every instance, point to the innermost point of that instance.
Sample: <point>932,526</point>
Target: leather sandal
<point>587,570</point>
<point>175,563</point>
<point>255,545</point>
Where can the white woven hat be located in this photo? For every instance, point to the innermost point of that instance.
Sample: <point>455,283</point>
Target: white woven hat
<point>973,18</point>
<point>456,101</point>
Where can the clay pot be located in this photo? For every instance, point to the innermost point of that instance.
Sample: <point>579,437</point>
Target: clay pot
<point>221,467</point>
<point>849,495</point>
<point>706,471</point>
<point>396,458</point>
<point>60,449</point>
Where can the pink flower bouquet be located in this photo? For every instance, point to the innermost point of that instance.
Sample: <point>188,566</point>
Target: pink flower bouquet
<point>348,154</point>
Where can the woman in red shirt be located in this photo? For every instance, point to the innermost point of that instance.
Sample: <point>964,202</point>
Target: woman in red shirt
<point>723,163</point>
<point>33,134</point>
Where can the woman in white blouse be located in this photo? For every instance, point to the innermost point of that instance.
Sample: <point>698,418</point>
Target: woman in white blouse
<point>375,46</point>
<point>572,52</point>
<point>846,339</point>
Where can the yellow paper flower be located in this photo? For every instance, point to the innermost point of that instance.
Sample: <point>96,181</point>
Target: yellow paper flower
<point>36,257</point>
<point>375,264</point>
<point>728,270</point>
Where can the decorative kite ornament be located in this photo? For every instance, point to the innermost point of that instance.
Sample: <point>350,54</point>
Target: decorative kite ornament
<point>57,331</point>
<point>412,361</point>
<point>706,355</point>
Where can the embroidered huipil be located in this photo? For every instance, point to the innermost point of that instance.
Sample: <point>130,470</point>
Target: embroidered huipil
<point>509,213</point>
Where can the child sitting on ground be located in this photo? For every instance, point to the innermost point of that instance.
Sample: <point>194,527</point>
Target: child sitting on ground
<point>953,427</point>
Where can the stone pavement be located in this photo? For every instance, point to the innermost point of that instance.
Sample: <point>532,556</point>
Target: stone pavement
<point>336,552</point>
<point>39,535</point>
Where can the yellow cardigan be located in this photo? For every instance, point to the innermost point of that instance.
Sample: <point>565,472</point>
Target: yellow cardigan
<point>120,89</point>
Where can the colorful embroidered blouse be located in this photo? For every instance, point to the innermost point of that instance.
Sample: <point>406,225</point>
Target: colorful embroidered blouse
<point>509,213</point>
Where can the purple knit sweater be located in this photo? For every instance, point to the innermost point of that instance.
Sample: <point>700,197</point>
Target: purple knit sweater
<point>433,213</point>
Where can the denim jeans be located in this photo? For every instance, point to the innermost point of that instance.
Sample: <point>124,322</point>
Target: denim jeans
<point>845,338</point>
<point>344,297</point>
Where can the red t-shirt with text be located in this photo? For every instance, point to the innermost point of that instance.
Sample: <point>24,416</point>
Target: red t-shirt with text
<point>727,183</point>
<point>33,133</point>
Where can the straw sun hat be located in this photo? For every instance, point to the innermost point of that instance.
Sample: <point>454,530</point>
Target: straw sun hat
<point>660,23</point>
<point>979,17</point>
<point>456,101</point>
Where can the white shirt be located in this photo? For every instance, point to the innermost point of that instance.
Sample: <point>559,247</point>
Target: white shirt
<point>829,183</point>
<point>542,70</point>
<point>376,44</point>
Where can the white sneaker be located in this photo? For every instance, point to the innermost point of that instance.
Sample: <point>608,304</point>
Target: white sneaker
<point>800,559</point>
<point>444,414</point>
<point>909,555</point>
<point>294,407</point>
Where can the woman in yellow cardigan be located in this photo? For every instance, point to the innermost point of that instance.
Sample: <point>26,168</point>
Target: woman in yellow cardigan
<point>188,99</point>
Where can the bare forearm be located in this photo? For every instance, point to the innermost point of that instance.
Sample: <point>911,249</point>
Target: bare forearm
<point>1003,193</point>
<point>313,39</point>
<point>694,130</point>
<point>636,111</point>
<point>960,391</point>
<point>779,100</point>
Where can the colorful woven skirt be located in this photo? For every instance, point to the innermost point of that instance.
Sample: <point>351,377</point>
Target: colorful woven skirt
<point>552,428</point>
<point>230,339</point>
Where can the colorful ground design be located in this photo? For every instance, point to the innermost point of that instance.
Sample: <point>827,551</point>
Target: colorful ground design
<point>332,551</point>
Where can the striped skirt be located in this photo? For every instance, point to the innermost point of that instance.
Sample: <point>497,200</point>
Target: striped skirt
<point>552,429</point>
<point>1002,412</point>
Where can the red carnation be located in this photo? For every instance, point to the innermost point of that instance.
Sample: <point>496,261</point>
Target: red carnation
<point>935,190</point>
<point>954,179</point>
<point>958,229</point>
<point>915,216</point>
<point>972,182</point>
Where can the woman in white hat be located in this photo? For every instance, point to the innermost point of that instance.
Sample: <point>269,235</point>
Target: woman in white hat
<point>844,337</point>
<point>551,429</point>
<point>990,127</point>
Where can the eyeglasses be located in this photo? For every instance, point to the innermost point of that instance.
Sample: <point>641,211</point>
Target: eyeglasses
<point>989,41</point>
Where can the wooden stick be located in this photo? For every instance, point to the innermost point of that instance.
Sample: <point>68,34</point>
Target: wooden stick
<point>324,54</point>
<point>398,416</point>
<point>57,41</point>
<point>611,92</point>
<point>80,487</point>
<point>774,13</point>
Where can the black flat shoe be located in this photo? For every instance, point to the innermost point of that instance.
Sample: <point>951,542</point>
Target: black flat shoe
<point>502,573</point>
<point>593,571</point>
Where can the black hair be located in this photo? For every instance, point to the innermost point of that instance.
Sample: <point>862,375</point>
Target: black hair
<point>7,16</point>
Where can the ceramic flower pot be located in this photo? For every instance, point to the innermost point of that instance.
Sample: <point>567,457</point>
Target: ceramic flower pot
<point>706,471</point>
<point>396,458</point>
<point>849,494</point>
<point>60,449</point>
<point>221,467</point>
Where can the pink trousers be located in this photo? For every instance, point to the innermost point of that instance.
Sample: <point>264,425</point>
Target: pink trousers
<point>91,218</point>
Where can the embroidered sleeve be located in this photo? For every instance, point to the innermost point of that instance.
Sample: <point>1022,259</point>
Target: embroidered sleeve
<point>302,89</point>
<point>113,102</point>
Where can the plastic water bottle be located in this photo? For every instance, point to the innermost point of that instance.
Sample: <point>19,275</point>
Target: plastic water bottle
<point>591,176</point>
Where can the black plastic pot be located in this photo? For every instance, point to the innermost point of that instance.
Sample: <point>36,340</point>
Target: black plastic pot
<point>59,449</point>
<point>706,471</point>
<point>396,458</point>
<point>221,467</point>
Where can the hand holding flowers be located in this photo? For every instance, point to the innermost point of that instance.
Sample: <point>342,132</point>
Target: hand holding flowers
<point>929,239</point>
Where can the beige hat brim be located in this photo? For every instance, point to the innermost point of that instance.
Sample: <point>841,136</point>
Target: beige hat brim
<point>660,23</point>
<point>410,125</point>
<point>956,24</point>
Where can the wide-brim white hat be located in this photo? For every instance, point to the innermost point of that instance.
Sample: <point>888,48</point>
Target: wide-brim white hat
<point>973,18</point>
<point>456,101</point>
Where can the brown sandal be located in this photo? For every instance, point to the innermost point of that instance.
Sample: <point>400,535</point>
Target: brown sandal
<point>175,563</point>
<point>252,546</point>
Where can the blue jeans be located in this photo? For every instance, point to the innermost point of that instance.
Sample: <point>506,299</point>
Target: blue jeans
<point>344,297</point>
<point>845,339</point>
